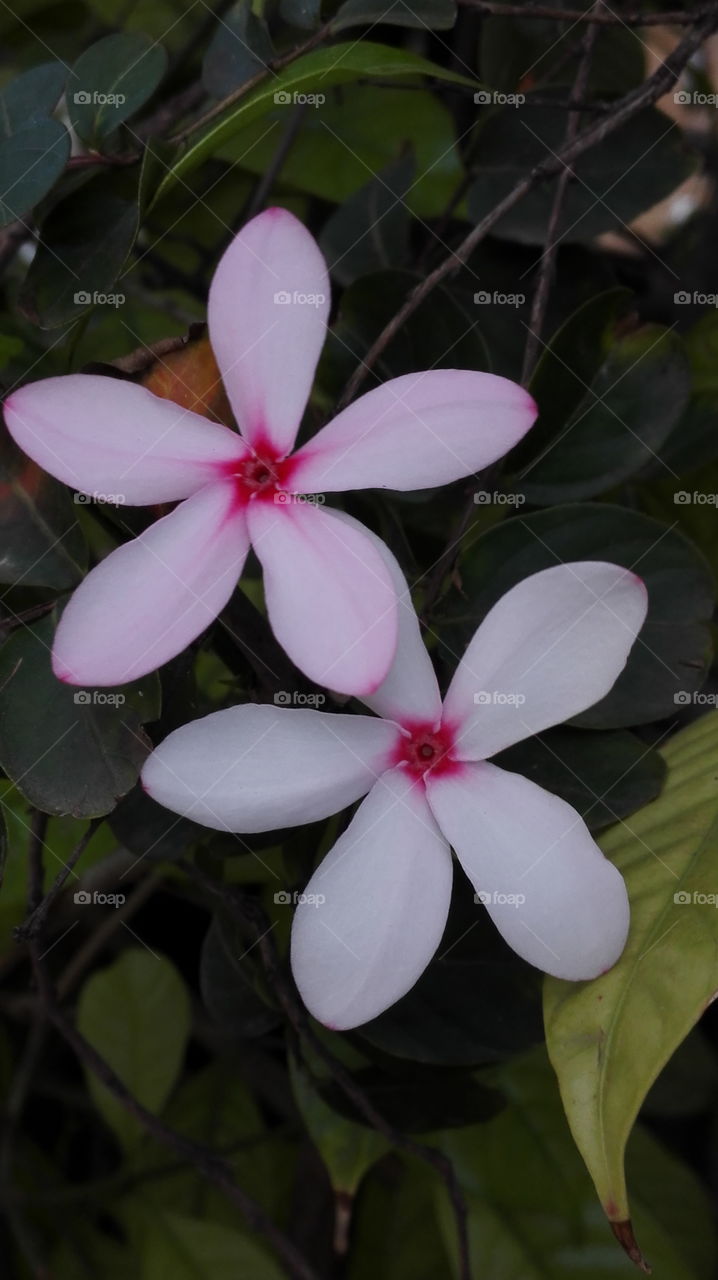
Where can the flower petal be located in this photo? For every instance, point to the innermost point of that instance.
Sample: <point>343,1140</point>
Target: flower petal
<point>548,888</point>
<point>330,598</point>
<point>551,647</point>
<point>382,898</point>
<point>416,432</point>
<point>257,768</point>
<point>109,437</point>
<point>267,313</point>
<point>410,693</point>
<point>151,597</point>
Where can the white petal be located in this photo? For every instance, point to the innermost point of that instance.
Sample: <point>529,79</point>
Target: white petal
<point>256,768</point>
<point>267,312</point>
<point>330,599</point>
<point>551,647</point>
<point>116,439</point>
<point>151,597</point>
<point>375,909</point>
<point>548,888</point>
<point>415,432</point>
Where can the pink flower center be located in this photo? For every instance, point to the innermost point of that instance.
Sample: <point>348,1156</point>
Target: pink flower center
<point>427,748</point>
<point>260,476</point>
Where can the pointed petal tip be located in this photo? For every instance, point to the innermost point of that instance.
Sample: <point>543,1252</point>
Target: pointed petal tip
<point>623,1231</point>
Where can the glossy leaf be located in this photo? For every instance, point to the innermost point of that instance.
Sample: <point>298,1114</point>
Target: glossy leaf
<point>370,231</point>
<point>348,1149</point>
<point>111,81</point>
<point>191,1249</point>
<point>33,94</point>
<point>609,1039</point>
<point>31,161</point>
<point>240,47</point>
<point>228,985</point>
<point>70,751</point>
<point>136,1013</point>
<point>42,543</point>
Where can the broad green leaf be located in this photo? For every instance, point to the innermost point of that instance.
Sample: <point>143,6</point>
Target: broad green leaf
<point>35,93</point>
<point>86,240</point>
<point>190,1249</point>
<point>347,1149</point>
<point>370,231</point>
<point>239,48</point>
<point>672,652</point>
<point>620,424</point>
<point>425,15</point>
<point>42,543</point>
<point>354,135</point>
<point>609,1039</point>
<point>31,161</point>
<point>111,81</point>
<point>229,985</point>
<point>614,181</point>
<point>532,1209</point>
<point>136,1013</point>
<point>395,1229</point>
<point>315,73</point>
<point>70,751</point>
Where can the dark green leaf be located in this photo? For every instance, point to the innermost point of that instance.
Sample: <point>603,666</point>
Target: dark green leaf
<point>239,48</point>
<point>149,830</point>
<point>370,231</point>
<point>41,543</point>
<point>31,161</point>
<point>111,81</point>
<point>191,1249</point>
<point>35,93</point>
<point>426,15</point>
<point>304,14</point>
<point>85,243</point>
<point>673,650</point>
<point>228,986</point>
<point>70,751</point>
<point>627,173</point>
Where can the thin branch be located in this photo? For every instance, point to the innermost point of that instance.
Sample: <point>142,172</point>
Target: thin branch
<point>671,18</point>
<point>548,257</point>
<point>31,927</point>
<point>636,100</point>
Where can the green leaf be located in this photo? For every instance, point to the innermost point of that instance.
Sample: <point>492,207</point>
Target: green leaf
<point>348,1149</point>
<point>673,650</point>
<point>86,241</point>
<point>304,14</point>
<point>314,73</point>
<point>631,170</point>
<point>425,15</point>
<point>136,1013</point>
<point>370,231</point>
<point>620,424</point>
<point>111,81</point>
<point>228,985</point>
<point>239,48</point>
<point>609,1039</point>
<point>31,161</point>
<point>33,94</point>
<point>532,1211</point>
<point>42,542</point>
<point>70,751</point>
<point>190,1249</point>
<point>603,775</point>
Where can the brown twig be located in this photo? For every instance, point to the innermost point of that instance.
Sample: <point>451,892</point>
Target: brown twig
<point>625,108</point>
<point>30,928</point>
<point>672,18</point>
<point>548,257</point>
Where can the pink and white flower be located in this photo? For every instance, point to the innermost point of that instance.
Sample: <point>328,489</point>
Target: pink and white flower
<point>375,909</point>
<point>329,596</point>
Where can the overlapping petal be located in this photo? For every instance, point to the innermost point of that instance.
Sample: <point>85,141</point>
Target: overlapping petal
<point>151,597</point>
<point>416,432</point>
<point>110,437</point>
<point>375,909</point>
<point>554,645</point>
<point>255,768</point>
<point>267,312</point>
<point>330,598</point>
<point>548,888</point>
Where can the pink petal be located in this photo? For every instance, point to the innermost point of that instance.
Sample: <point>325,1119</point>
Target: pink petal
<point>552,646</point>
<point>267,313</point>
<point>374,911</point>
<point>151,597</point>
<point>257,768</point>
<point>410,693</point>
<point>329,595</point>
<point>105,436</point>
<point>548,888</point>
<point>416,432</point>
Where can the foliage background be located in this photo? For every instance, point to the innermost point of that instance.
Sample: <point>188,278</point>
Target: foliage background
<point>527,189</point>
